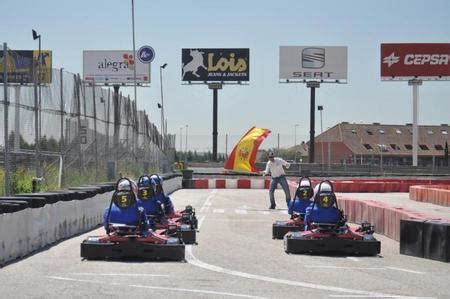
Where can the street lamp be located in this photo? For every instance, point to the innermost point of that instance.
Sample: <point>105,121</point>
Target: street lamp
<point>185,146</point>
<point>320,108</point>
<point>36,79</point>
<point>295,142</point>
<point>162,100</point>
<point>295,134</point>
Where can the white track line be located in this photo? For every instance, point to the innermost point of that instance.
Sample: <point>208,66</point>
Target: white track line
<point>157,288</point>
<point>405,270</point>
<point>352,258</point>
<point>362,268</point>
<point>121,274</point>
<point>240,211</point>
<point>219,211</point>
<point>207,202</point>
<point>381,296</point>
<point>191,259</point>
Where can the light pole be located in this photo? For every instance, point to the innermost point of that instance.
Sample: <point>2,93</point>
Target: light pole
<point>162,102</point>
<point>134,50</point>
<point>37,81</point>
<point>320,108</point>
<point>181,141</point>
<point>295,142</point>
<point>185,146</point>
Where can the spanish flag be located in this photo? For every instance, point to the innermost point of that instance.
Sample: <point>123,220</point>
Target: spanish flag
<point>243,156</point>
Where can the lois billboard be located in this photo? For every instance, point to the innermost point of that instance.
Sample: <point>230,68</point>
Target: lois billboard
<point>415,61</point>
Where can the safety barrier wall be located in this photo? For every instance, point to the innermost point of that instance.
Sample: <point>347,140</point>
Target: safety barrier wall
<point>435,194</point>
<point>344,186</point>
<point>31,229</point>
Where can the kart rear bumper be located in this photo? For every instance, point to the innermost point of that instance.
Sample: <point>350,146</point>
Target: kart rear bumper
<point>280,228</point>
<point>295,243</point>
<point>133,249</point>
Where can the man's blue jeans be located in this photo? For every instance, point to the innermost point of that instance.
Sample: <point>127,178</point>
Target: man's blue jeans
<point>273,185</point>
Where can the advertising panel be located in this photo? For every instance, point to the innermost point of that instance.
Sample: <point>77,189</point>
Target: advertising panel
<point>114,67</point>
<point>313,63</point>
<point>420,61</point>
<point>215,64</point>
<point>20,66</point>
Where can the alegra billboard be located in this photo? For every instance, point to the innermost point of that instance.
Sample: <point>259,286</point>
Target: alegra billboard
<point>114,67</point>
<point>313,63</point>
<point>20,66</point>
<point>409,61</point>
<point>208,65</point>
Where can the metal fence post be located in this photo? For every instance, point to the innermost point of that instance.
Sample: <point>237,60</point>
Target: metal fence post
<point>61,138</point>
<point>95,130</point>
<point>77,90</point>
<point>6,108</point>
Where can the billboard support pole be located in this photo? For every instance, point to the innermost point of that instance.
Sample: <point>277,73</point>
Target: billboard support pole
<point>116,123</point>
<point>312,85</point>
<point>415,84</point>
<point>215,87</point>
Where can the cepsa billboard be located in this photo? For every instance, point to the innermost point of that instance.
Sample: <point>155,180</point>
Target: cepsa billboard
<point>215,64</point>
<point>313,63</point>
<point>114,67</point>
<point>409,61</point>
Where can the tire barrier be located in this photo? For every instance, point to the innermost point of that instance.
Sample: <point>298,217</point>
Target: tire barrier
<point>435,194</point>
<point>437,241</point>
<point>411,237</point>
<point>425,238</point>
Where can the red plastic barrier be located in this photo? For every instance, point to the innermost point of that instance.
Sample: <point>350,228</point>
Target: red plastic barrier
<point>436,194</point>
<point>243,184</point>
<point>220,184</point>
<point>201,183</point>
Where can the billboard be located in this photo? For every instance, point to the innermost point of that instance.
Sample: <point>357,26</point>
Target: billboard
<point>313,63</point>
<point>207,65</point>
<point>20,66</point>
<point>409,61</point>
<point>114,67</point>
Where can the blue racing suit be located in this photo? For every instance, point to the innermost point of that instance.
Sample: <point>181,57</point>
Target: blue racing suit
<point>127,216</point>
<point>165,200</point>
<point>298,205</point>
<point>314,213</point>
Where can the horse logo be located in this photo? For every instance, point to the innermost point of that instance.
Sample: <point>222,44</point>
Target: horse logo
<point>193,65</point>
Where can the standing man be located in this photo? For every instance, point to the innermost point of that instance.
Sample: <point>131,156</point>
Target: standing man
<point>275,167</point>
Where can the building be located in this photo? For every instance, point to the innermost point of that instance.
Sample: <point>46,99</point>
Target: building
<point>377,143</point>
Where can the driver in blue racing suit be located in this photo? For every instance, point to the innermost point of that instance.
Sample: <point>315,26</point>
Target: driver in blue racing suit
<point>169,209</point>
<point>303,198</point>
<point>147,197</point>
<point>323,209</point>
<point>124,208</point>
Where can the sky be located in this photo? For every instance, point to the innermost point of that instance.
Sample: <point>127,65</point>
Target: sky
<point>69,27</point>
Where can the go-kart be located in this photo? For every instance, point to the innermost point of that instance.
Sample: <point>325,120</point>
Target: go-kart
<point>184,221</point>
<point>132,241</point>
<point>185,224</point>
<point>330,237</point>
<point>320,236</point>
<point>281,227</point>
<point>125,241</point>
<point>297,207</point>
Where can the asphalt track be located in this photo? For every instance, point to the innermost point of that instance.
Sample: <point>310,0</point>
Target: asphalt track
<point>235,257</point>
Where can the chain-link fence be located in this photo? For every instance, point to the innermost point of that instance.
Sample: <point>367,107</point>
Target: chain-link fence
<point>71,132</point>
